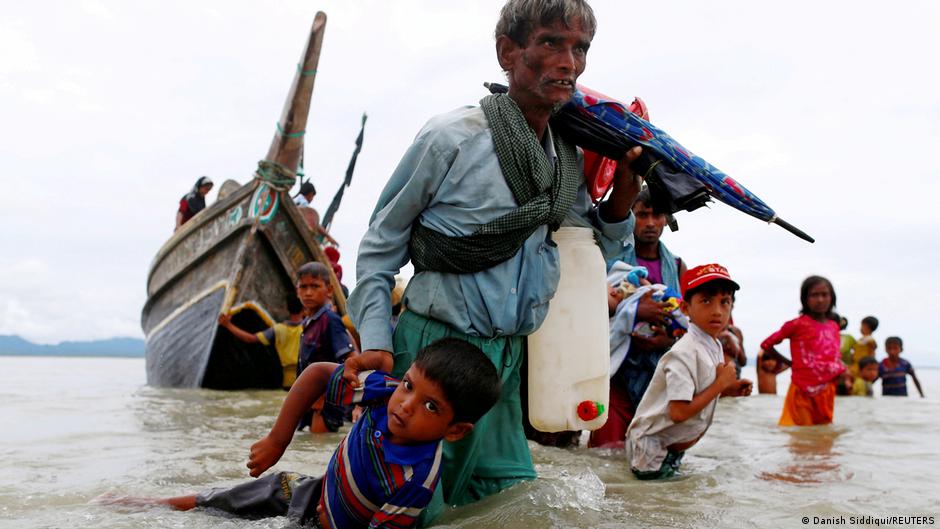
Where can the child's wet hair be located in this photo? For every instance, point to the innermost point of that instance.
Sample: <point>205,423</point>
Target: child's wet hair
<point>872,322</point>
<point>894,339</point>
<point>466,376</point>
<point>718,286</point>
<point>867,361</point>
<point>807,285</point>
<point>316,270</point>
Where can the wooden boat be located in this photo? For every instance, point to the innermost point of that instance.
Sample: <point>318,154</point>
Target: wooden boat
<point>238,255</point>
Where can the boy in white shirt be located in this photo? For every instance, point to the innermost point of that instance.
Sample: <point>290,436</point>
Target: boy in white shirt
<point>679,403</point>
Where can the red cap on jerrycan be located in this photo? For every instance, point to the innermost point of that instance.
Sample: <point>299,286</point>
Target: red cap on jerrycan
<point>589,410</point>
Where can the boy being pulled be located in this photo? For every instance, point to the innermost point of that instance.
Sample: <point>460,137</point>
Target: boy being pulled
<point>679,404</point>
<point>384,472</point>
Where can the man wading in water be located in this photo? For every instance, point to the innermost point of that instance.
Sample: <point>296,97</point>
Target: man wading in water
<point>472,205</point>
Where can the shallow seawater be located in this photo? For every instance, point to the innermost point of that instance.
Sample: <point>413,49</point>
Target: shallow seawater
<point>74,429</point>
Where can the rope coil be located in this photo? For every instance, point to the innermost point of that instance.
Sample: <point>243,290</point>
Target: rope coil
<point>276,175</point>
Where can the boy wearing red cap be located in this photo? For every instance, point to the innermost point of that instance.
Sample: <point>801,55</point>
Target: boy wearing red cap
<point>679,403</point>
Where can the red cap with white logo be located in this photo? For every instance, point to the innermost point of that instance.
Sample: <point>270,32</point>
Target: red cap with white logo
<point>700,275</point>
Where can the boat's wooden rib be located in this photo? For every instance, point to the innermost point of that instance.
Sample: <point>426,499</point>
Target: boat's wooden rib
<point>242,251</point>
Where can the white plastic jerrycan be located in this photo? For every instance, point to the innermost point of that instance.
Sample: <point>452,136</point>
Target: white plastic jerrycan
<point>569,355</point>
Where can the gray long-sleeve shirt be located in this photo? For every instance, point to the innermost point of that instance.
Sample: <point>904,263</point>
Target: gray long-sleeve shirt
<point>450,181</point>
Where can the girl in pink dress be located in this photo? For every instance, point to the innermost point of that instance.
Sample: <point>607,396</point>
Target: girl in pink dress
<point>814,351</point>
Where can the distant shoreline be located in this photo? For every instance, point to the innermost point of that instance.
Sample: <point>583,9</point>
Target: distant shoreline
<point>75,355</point>
<point>108,348</point>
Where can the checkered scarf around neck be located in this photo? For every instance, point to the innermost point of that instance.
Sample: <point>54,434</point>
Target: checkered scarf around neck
<point>545,195</point>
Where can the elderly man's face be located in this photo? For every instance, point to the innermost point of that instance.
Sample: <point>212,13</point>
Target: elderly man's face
<point>542,74</point>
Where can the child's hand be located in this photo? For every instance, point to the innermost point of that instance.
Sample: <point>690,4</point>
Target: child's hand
<point>225,320</point>
<point>264,454</point>
<point>725,375</point>
<point>739,388</point>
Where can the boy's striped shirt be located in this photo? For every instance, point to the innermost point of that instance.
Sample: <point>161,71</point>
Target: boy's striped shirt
<point>371,482</point>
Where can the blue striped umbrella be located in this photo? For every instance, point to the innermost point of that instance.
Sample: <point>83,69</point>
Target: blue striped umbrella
<point>604,125</point>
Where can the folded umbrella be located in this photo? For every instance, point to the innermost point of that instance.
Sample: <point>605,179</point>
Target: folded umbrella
<point>677,177</point>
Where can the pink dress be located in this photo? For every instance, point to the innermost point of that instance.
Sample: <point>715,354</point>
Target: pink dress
<point>814,350</point>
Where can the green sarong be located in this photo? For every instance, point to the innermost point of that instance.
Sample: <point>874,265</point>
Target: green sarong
<point>495,455</point>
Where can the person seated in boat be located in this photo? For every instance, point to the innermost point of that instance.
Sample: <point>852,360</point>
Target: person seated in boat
<point>303,200</point>
<point>679,404</point>
<point>194,201</point>
<point>312,218</point>
<point>324,339</point>
<point>284,336</point>
<point>384,472</point>
<point>305,195</point>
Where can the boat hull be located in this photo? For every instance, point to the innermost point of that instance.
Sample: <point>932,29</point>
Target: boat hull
<point>240,256</point>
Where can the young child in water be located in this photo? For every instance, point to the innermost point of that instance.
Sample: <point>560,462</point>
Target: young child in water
<point>384,472</point>
<point>867,373</point>
<point>285,336</point>
<point>814,353</point>
<point>769,365</point>
<point>847,342</point>
<point>678,406</point>
<point>866,345</point>
<point>894,370</point>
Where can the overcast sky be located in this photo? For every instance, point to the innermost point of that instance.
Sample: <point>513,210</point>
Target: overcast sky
<point>829,111</point>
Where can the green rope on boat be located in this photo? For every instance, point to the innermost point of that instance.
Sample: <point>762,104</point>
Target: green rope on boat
<point>289,134</point>
<point>306,73</point>
<point>277,175</point>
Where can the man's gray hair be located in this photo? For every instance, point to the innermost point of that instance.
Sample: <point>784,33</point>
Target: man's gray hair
<point>316,270</point>
<point>519,18</point>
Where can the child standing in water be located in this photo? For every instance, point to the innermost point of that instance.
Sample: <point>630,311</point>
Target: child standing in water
<point>769,365</point>
<point>894,370</point>
<point>814,352</point>
<point>866,345</point>
<point>867,373</point>
<point>679,404</point>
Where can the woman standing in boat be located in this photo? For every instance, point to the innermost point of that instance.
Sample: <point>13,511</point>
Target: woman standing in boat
<point>194,201</point>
